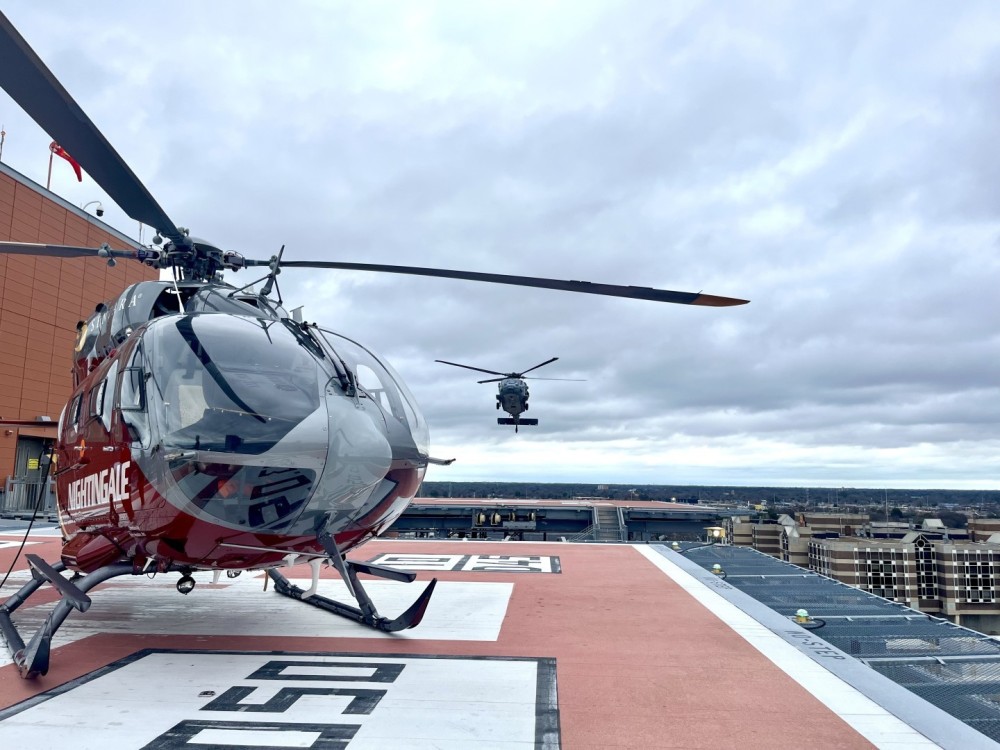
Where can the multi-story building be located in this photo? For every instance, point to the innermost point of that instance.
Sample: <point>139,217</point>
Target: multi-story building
<point>795,544</point>
<point>739,530</point>
<point>41,301</point>
<point>766,538</point>
<point>881,566</point>
<point>968,581</point>
<point>956,579</point>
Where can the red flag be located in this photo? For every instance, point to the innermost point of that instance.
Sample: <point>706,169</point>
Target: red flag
<point>58,150</point>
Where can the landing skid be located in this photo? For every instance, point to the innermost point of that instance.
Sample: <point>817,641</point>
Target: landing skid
<point>365,614</point>
<point>33,660</point>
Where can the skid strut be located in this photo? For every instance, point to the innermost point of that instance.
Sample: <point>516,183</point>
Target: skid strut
<point>365,613</point>
<point>33,659</point>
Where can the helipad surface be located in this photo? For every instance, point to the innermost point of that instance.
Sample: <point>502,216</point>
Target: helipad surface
<point>523,646</point>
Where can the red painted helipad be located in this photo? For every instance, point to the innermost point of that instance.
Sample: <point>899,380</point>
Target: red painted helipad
<point>530,645</point>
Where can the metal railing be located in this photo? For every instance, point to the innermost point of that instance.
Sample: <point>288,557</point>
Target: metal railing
<point>622,526</point>
<point>587,535</point>
<point>615,527</point>
<point>21,497</point>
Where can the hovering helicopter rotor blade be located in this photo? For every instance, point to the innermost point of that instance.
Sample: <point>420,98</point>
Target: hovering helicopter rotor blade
<point>468,367</point>
<point>62,251</point>
<point>584,287</point>
<point>33,86</point>
<point>492,380</point>
<point>572,380</point>
<point>546,362</point>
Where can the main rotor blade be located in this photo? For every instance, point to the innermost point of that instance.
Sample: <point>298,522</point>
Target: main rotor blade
<point>61,251</point>
<point>491,380</point>
<point>546,362</point>
<point>584,287</point>
<point>468,367</point>
<point>573,380</point>
<point>32,85</point>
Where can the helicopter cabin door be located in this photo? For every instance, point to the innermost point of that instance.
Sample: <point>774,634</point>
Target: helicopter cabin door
<point>90,451</point>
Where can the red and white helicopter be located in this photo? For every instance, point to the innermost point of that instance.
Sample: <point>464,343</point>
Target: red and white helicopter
<point>207,428</point>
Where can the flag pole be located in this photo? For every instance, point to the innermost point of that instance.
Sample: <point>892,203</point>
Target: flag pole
<point>48,181</point>
<point>3,134</point>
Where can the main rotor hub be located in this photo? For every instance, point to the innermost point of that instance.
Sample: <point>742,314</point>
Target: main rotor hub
<point>198,260</point>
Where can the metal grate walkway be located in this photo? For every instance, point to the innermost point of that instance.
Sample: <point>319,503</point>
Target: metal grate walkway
<point>954,668</point>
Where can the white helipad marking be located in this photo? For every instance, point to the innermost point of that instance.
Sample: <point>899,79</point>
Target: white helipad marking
<point>469,563</point>
<point>14,545</point>
<point>369,702</point>
<point>36,530</point>
<point>458,610</point>
<point>419,561</point>
<point>868,718</point>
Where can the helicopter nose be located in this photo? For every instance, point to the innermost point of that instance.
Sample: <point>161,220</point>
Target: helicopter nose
<point>358,457</point>
<point>322,470</point>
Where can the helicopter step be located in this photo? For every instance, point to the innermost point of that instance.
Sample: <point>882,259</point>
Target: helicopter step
<point>508,420</point>
<point>366,614</point>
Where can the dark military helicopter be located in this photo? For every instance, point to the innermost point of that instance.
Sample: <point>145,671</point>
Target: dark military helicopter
<point>207,428</point>
<point>512,394</point>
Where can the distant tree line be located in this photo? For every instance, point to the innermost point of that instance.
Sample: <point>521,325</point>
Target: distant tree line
<point>795,497</point>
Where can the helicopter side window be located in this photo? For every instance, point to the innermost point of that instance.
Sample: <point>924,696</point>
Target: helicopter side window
<point>74,411</point>
<point>97,400</point>
<point>132,399</point>
<point>107,400</point>
<point>133,389</point>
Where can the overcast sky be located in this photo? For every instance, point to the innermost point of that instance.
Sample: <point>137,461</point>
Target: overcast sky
<point>836,163</point>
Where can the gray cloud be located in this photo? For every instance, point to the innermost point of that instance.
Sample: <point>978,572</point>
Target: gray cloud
<point>836,165</point>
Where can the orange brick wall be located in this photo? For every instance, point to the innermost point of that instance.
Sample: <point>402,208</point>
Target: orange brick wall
<point>41,300</point>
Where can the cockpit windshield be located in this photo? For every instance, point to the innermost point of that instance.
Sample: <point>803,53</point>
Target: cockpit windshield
<point>228,383</point>
<point>378,381</point>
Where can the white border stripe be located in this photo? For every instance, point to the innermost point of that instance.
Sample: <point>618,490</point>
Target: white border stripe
<point>872,721</point>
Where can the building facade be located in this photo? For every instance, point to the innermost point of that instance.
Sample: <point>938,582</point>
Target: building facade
<point>981,529</point>
<point>41,301</point>
<point>795,545</point>
<point>949,573</point>
<point>766,538</point>
<point>955,579</point>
